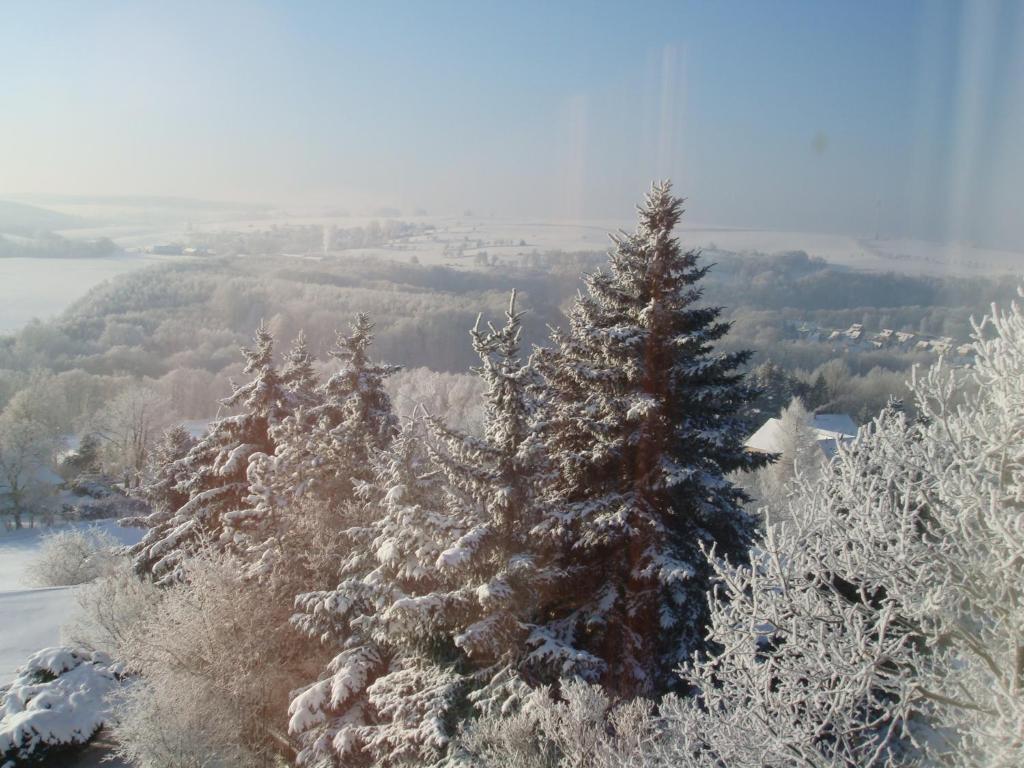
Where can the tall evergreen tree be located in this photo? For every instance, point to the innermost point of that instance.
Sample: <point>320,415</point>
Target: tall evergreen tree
<point>495,573</point>
<point>298,377</point>
<point>641,421</point>
<point>353,421</point>
<point>373,707</point>
<point>325,449</point>
<point>455,579</point>
<point>214,472</point>
<point>161,479</point>
<point>356,410</point>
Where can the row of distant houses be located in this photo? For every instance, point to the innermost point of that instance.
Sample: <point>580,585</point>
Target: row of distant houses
<point>856,338</point>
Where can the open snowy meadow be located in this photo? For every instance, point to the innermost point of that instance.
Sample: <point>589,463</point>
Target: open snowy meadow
<point>31,617</point>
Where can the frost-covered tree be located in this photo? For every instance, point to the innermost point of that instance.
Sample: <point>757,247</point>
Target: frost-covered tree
<point>641,421</point>
<point>27,450</point>
<point>455,579</point>
<point>298,376</point>
<point>375,704</point>
<point>453,397</point>
<point>883,623</point>
<point>799,455</point>
<point>325,449</point>
<point>214,472</point>
<point>127,426</point>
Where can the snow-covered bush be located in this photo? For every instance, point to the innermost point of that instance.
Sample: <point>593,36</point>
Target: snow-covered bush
<point>583,730</point>
<point>73,556</point>
<point>160,727</point>
<point>883,624</point>
<point>218,658</point>
<point>57,702</point>
<point>110,608</point>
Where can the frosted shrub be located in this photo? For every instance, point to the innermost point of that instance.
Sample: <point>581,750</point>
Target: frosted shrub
<point>218,658</point>
<point>73,556</point>
<point>883,624</point>
<point>57,702</point>
<point>583,730</point>
<point>160,726</point>
<point>110,608</point>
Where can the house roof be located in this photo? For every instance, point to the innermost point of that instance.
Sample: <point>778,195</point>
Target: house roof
<point>829,429</point>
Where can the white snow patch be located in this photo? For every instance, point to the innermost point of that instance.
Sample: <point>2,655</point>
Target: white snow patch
<point>31,619</point>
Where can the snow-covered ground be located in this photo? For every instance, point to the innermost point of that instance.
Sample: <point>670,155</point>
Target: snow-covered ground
<point>44,287</point>
<point>31,618</point>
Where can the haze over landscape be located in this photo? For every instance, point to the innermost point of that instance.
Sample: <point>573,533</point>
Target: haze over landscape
<point>899,120</point>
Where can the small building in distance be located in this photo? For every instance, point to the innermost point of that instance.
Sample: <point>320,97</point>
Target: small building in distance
<point>830,429</point>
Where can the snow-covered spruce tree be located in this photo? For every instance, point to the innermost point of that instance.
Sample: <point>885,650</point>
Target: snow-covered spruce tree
<point>495,575</point>
<point>641,421</point>
<point>214,471</point>
<point>383,701</point>
<point>325,449</point>
<point>883,623</point>
<point>298,377</point>
<point>354,420</point>
<point>274,484</point>
<point>456,579</point>
<point>163,473</point>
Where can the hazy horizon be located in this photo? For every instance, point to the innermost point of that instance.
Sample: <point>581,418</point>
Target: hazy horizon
<point>879,118</point>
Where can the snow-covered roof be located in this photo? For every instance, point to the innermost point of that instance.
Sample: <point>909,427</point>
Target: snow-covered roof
<point>837,424</point>
<point>829,429</point>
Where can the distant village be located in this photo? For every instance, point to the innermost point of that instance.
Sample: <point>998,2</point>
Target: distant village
<point>855,338</point>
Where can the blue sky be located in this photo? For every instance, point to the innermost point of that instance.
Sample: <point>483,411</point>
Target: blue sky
<point>898,117</point>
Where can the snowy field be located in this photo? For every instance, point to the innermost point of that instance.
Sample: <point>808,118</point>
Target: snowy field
<point>31,618</point>
<point>44,287</point>
<point>515,237</point>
